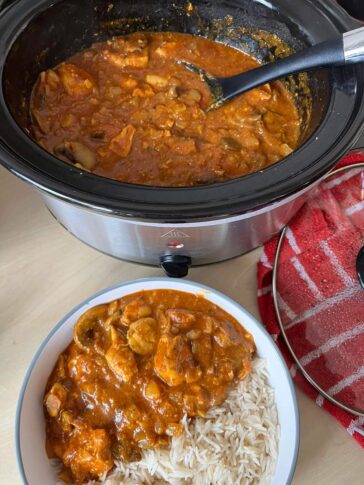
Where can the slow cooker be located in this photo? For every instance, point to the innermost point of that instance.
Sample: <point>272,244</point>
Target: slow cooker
<point>175,227</point>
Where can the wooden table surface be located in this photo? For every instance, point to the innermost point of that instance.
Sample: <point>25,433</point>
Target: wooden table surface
<point>44,272</point>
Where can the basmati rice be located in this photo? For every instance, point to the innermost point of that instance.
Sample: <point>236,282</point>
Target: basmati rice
<point>237,443</point>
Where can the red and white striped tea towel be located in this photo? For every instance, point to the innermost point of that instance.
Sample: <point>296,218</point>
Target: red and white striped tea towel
<point>320,298</point>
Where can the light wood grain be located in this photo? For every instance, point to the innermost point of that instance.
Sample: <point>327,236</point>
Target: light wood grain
<point>44,272</point>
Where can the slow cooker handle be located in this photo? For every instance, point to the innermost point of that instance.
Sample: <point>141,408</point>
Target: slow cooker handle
<point>175,265</point>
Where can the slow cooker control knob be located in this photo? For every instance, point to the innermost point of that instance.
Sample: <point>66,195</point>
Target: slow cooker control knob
<point>175,265</point>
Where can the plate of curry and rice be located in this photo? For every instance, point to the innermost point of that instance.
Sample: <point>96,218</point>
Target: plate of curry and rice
<point>157,381</point>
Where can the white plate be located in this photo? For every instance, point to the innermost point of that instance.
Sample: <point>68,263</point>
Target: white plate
<point>34,465</point>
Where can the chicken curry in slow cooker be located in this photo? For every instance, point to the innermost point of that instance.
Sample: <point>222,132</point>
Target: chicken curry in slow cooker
<point>125,109</point>
<point>135,368</point>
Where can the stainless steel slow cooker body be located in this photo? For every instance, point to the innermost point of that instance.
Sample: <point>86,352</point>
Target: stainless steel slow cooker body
<point>199,225</point>
<point>203,242</point>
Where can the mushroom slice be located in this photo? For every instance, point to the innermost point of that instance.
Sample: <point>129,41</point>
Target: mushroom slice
<point>77,153</point>
<point>142,336</point>
<point>88,333</point>
<point>230,143</point>
<point>40,120</point>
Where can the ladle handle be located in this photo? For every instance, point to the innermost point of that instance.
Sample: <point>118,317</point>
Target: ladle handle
<point>347,48</point>
<point>354,46</point>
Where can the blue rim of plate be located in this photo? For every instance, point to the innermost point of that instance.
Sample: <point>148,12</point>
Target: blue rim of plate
<point>128,283</point>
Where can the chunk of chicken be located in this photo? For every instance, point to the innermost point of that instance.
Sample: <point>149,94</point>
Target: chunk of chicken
<point>81,365</point>
<point>136,309</point>
<point>152,390</point>
<point>137,59</point>
<point>163,322</point>
<point>61,367</point>
<point>127,82</point>
<point>225,370</point>
<point>285,150</point>
<point>124,449</point>
<point>67,421</point>
<point>193,375</point>
<point>226,335</point>
<point>156,81</point>
<point>67,120</point>
<point>120,358</point>
<point>207,324</point>
<point>166,49</point>
<point>55,399</point>
<point>77,153</point>
<point>173,359</point>
<point>202,350</point>
<point>76,81</point>
<point>142,336</point>
<point>145,91</point>
<point>183,146</point>
<point>88,454</point>
<point>135,44</point>
<point>196,401</point>
<point>259,95</point>
<point>182,319</point>
<point>191,97</point>
<point>121,143</point>
<point>193,334</point>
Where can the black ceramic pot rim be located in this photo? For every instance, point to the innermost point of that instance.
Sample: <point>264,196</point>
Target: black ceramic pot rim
<point>336,134</point>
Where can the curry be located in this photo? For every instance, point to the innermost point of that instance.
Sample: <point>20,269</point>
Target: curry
<point>134,369</point>
<point>125,109</point>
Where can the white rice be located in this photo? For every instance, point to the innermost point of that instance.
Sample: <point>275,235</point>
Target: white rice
<point>237,443</point>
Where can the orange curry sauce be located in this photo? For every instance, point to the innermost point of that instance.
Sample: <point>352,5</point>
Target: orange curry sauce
<point>126,110</point>
<point>135,367</point>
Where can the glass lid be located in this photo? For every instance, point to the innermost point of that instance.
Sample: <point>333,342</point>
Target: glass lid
<point>318,282</point>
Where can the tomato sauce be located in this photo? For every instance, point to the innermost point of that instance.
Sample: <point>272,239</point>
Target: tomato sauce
<point>125,109</point>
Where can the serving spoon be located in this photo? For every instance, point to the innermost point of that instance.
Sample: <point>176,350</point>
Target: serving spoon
<point>344,49</point>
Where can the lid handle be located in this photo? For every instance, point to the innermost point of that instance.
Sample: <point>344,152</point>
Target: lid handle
<point>175,265</point>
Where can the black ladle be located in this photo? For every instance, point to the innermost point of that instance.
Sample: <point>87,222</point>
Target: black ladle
<point>360,267</point>
<point>345,49</point>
